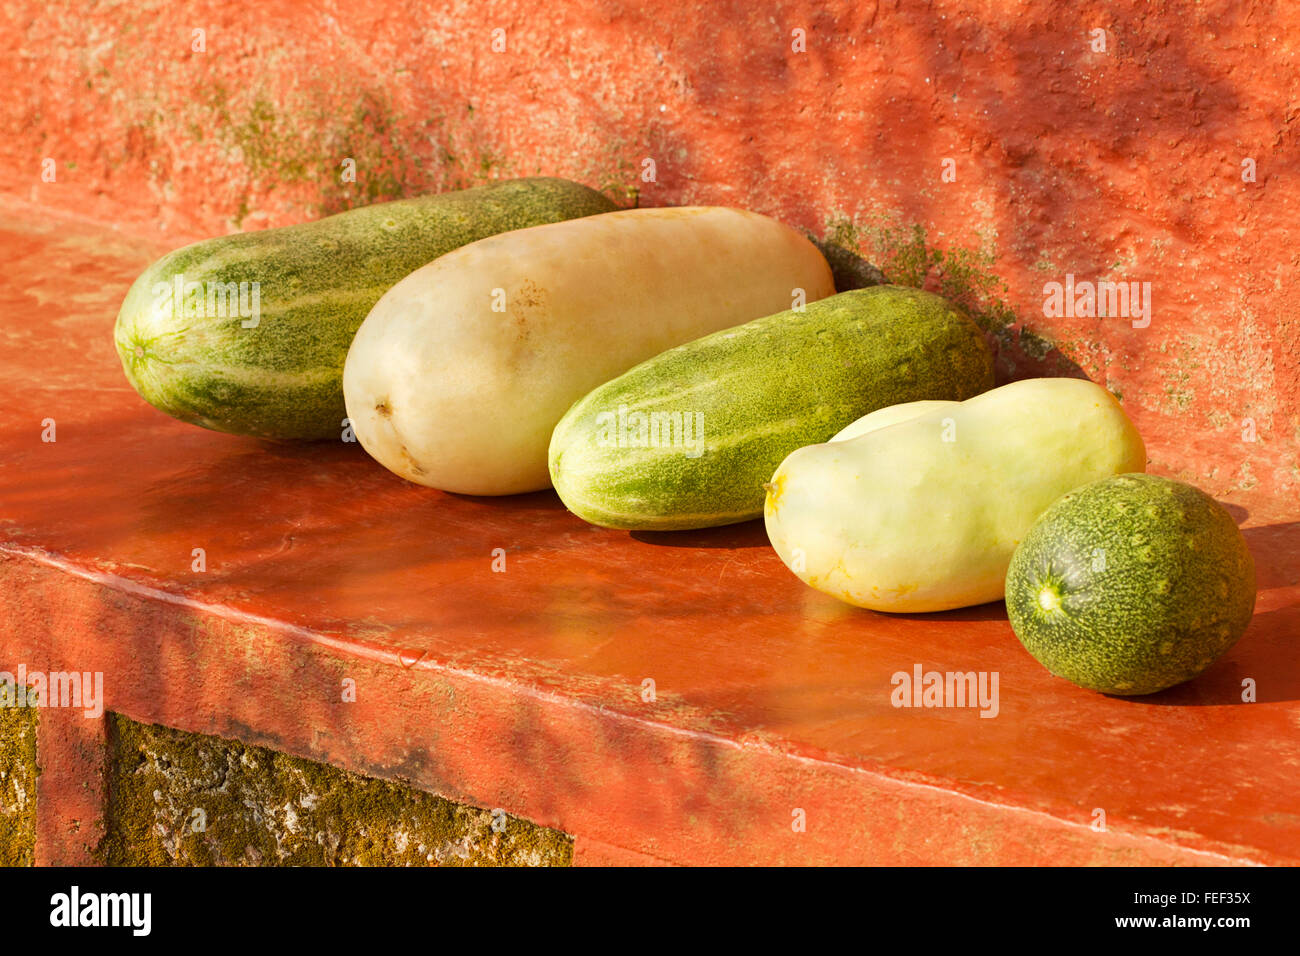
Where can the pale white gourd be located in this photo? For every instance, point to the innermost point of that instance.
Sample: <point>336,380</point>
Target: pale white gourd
<point>889,415</point>
<point>924,514</point>
<point>460,372</point>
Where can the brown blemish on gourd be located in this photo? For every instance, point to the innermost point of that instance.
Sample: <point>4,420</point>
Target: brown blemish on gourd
<point>414,466</point>
<point>526,306</point>
<point>530,295</point>
<point>774,489</point>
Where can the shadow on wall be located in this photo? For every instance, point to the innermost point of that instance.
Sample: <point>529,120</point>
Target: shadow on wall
<point>760,126</point>
<point>1056,143</point>
<point>1074,135</point>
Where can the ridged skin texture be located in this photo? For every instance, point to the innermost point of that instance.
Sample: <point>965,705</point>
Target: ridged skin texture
<point>317,281</point>
<point>761,390</point>
<point>1131,585</point>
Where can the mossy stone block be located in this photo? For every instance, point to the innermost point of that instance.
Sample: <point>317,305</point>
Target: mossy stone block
<point>181,799</point>
<point>18,772</point>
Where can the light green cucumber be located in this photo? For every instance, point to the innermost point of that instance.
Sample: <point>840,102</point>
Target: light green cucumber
<point>248,333</point>
<point>688,438</point>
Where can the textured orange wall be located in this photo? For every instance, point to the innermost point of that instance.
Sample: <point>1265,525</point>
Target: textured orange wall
<point>1124,164</point>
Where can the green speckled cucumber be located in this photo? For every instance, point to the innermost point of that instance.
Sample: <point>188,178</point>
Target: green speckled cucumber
<point>1131,584</point>
<point>248,333</point>
<point>688,438</point>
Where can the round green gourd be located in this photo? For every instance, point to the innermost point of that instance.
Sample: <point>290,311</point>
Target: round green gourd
<point>759,391</point>
<point>1131,584</point>
<point>280,374</point>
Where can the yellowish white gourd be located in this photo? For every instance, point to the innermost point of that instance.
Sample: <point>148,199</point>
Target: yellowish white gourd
<point>460,372</point>
<point>924,514</point>
<point>889,415</point>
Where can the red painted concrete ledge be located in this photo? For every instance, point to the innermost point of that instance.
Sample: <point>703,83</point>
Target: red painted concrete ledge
<point>769,736</point>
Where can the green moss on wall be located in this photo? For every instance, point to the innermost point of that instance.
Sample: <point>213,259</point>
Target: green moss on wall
<point>184,799</point>
<point>963,275</point>
<point>906,257</point>
<point>841,248</point>
<point>304,143</point>
<point>18,772</point>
